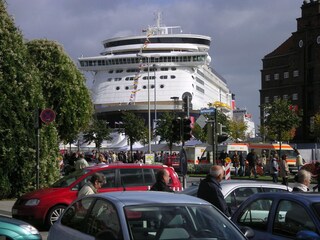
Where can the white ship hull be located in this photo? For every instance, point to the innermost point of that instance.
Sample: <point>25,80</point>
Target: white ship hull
<point>154,69</point>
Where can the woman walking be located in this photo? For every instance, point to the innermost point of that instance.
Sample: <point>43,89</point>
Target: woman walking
<point>284,170</point>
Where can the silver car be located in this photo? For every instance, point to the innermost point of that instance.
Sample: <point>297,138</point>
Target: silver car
<point>237,191</point>
<point>143,215</point>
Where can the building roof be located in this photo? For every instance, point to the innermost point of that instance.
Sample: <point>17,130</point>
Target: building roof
<point>284,48</point>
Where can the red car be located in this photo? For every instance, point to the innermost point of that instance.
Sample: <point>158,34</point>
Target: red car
<point>44,206</point>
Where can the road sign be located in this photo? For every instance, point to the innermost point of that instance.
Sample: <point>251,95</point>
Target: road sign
<point>201,121</point>
<point>209,111</point>
<point>47,115</point>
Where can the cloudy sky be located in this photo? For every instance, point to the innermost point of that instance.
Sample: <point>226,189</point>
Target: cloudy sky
<point>242,31</point>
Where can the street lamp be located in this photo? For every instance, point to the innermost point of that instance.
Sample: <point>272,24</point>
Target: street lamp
<point>149,113</point>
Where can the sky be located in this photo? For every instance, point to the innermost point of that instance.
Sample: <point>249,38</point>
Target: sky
<point>242,31</point>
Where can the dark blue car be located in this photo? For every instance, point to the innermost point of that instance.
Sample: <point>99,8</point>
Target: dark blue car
<point>281,215</point>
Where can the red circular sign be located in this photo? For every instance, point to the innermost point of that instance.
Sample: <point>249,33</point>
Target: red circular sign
<point>47,115</point>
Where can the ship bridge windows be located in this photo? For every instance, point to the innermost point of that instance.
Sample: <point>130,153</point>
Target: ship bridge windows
<point>164,77</point>
<point>119,71</point>
<point>164,69</point>
<point>200,81</point>
<point>173,68</point>
<point>110,71</point>
<point>136,60</point>
<point>117,79</point>
<point>172,76</point>
<point>129,78</point>
<point>200,89</point>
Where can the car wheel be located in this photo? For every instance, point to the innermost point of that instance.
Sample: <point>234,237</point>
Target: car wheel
<point>54,214</point>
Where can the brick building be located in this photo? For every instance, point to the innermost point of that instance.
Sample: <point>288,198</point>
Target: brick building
<point>292,71</point>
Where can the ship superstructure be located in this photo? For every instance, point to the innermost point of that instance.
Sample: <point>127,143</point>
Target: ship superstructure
<point>159,67</point>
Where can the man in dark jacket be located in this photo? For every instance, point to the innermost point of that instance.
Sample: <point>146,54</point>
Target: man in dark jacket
<point>161,184</point>
<point>210,189</point>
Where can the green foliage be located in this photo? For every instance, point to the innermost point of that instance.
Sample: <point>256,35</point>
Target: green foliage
<point>28,72</point>
<point>280,120</point>
<point>237,129</point>
<point>133,127</point>
<point>316,130</point>
<point>165,130</point>
<point>64,87</point>
<point>97,132</point>
<point>199,133</point>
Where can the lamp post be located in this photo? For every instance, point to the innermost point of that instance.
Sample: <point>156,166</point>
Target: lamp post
<point>149,113</point>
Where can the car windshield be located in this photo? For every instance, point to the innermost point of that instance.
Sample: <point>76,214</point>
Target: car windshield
<point>179,222</point>
<point>69,179</point>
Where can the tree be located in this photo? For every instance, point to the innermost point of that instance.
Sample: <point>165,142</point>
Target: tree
<point>280,120</point>
<point>64,88</point>
<point>166,131</point>
<point>21,95</point>
<point>200,133</point>
<point>237,129</point>
<point>97,132</point>
<point>134,128</point>
<point>316,130</point>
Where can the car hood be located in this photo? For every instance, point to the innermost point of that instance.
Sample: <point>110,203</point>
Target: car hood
<point>50,192</point>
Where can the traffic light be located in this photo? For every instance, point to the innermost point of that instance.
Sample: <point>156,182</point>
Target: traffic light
<point>187,134</point>
<point>222,138</point>
<point>176,129</point>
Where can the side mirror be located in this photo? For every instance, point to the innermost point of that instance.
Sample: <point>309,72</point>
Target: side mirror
<point>307,235</point>
<point>247,232</point>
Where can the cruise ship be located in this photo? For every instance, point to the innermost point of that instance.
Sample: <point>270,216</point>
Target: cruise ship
<point>161,70</point>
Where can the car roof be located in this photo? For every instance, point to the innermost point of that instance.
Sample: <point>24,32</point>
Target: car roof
<point>127,198</point>
<point>126,165</point>
<point>308,197</point>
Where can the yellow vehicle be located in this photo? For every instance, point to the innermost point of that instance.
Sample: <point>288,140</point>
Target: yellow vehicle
<point>265,151</point>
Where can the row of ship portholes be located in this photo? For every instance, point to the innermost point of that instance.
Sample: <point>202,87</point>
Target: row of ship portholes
<point>143,87</point>
<point>144,78</point>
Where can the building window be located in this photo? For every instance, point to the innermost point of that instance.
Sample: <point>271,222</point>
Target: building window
<point>296,73</point>
<point>276,76</point>
<point>286,75</point>
<point>295,96</point>
<point>285,97</point>
<point>275,98</point>
<point>200,89</point>
<point>266,100</point>
<point>267,77</point>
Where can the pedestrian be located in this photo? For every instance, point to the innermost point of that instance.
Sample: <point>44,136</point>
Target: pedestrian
<point>242,170</point>
<point>274,168</point>
<point>210,189</point>
<point>284,170</point>
<point>299,160</point>
<point>302,181</point>
<point>235,162</point>
<point>222,157</point>
<point>317,176</point>
<point>81,163</point>
<point>252,160</point>
<point>101,160</point>
<point>93,185</point>
<point>162,180</point>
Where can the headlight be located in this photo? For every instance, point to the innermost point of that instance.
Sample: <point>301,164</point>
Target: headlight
<point>32,202</point>
<point>30,229</point>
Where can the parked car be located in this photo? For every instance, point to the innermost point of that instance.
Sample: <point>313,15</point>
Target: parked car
<point>44,206</point>
<point>281,215</point>
<point>11,228</point>
<point>143,216</point>
<point>237,191</point>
